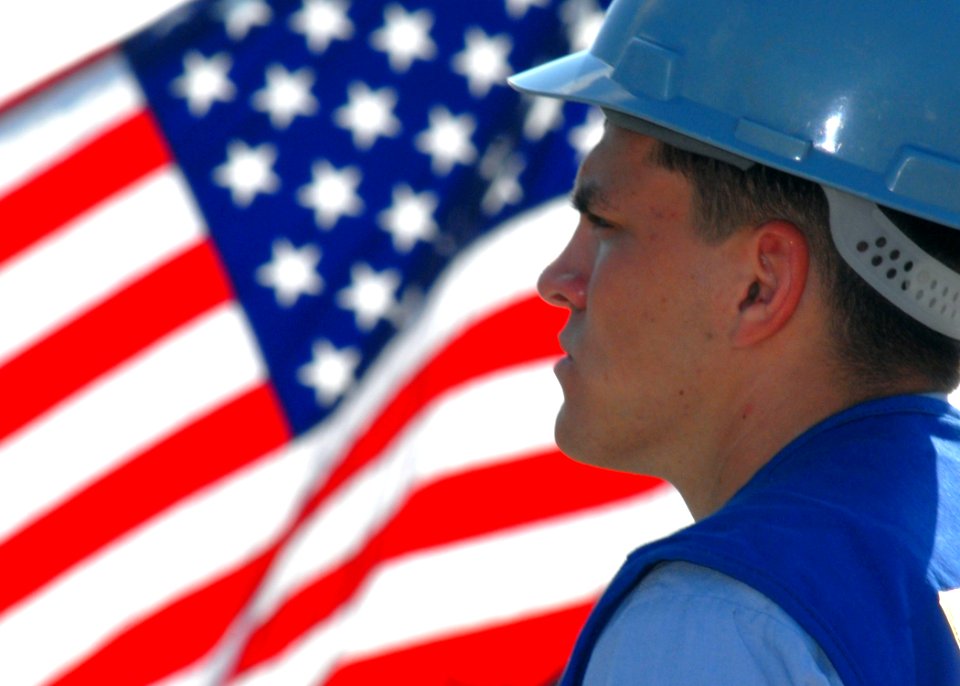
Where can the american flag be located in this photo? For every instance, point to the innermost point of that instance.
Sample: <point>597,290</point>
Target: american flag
<point>277,389</point>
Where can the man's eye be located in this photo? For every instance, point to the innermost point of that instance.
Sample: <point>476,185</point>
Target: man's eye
<point>599,222</point>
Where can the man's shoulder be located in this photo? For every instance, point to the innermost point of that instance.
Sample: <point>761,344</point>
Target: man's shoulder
<point>685,623</point>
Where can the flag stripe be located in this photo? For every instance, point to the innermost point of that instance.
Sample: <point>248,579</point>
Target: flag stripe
<point>492,656</point>
<point>173,294</point>
<point>158,206</point>
<point>323,531</point>
<point>447,439</point>
<point>46,129</point>
<point>136,404</point>
<point>229,438</point>
<point>441,591</point>
<point>476,502</point>
<point>146,652</point>
<point>475,352</point>
<point>501,496</point>
<point>201,539</point>
<point>101,168</point>
<point>507,574</point>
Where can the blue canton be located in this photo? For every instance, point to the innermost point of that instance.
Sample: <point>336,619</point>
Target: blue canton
<point>343,153</point>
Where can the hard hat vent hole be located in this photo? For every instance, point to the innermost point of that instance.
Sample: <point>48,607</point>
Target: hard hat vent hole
<point>894,255</point>
<point>905,285</point>
<point>863,246</point>
<point>891,273</point>
<point>881,242</point>
<point>908,266</point>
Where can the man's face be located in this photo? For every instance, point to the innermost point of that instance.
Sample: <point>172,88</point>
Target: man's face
<point>645,295</point>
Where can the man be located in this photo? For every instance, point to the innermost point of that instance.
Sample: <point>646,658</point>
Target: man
<point>765,311</point>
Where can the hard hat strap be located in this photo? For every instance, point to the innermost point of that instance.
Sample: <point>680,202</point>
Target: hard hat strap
<point>901,271</point>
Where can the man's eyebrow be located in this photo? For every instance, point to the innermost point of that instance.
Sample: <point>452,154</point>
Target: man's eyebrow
<point>587,198</point>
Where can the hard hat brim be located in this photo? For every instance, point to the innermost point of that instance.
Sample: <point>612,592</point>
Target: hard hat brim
<point>580,77</point>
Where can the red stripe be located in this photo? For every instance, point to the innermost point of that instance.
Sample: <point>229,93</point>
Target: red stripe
<point>174,637</point>
<point>88,176</point>
<point>112,332</point>
<point>192,626</point>
<point>502,496</point>
<point>530,651</point>
<point>480,350</point>
<point>471,504</point>
<point>222,442</point>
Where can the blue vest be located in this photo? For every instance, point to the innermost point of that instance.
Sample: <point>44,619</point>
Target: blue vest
<point>853,529</point>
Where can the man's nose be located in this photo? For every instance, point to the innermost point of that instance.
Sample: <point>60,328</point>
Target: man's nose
<point>564,282</point>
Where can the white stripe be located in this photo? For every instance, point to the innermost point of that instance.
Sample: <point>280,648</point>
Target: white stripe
<point>503,266</point>
<point>211,533</point>
<point>453,434</point>
<point>490,419</point>
<point>95,256</point>
<point>201,673</point>
<point>496,271</point>
<point>34,136</point>
<point>136,404</point>
<point>500,269</point>
<point>477,584</point>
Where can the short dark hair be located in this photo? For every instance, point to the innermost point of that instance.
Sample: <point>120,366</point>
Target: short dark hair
<point>876,343</point>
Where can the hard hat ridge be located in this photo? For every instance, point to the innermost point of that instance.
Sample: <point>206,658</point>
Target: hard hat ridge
<point>864,97</point>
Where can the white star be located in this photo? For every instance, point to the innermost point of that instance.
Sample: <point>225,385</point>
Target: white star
<point>368,114</point>
<point>286,96</point>
<point>585,137</point>
<point>502,168</point>
<point>291,272</point>
<point>583,19</point>
<point>204,81</point>
<point>247,172</point>
<point>331,372</point>
<point>483,61</point>
<point>239,16</point>
<point>404,36</point>
<point>332,194</point>
<point>447,140</point>
<point>518,8</point>
<point>544,115</point>
<point>371,295</point>
<point>322,21</point>
<point>410,218</point>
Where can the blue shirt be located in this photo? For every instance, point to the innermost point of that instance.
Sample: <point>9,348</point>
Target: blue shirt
<point>687,624</point>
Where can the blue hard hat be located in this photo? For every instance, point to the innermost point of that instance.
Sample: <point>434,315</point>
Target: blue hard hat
<point>859,96</point>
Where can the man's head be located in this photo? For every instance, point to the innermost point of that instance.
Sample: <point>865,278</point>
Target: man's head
<point>698,292</point>
<point>741,304</point>
<point>876,344</point>
<point>664,319</point>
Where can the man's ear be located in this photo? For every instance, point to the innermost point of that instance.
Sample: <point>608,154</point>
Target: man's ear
<point>778,258</point>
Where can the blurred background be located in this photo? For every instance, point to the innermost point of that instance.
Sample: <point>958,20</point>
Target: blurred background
<point>277,390</point>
